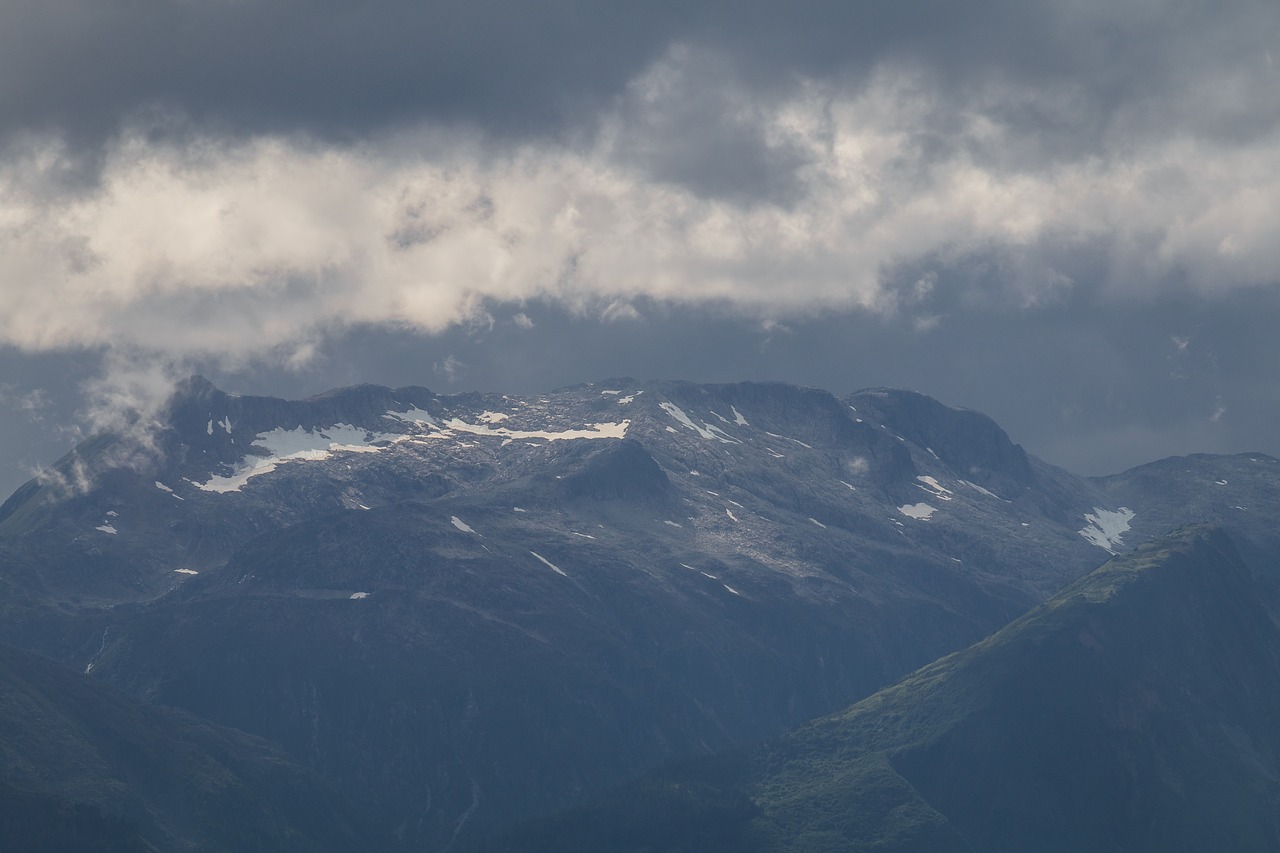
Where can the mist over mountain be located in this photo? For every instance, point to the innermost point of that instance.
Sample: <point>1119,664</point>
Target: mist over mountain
<point>466,611</point>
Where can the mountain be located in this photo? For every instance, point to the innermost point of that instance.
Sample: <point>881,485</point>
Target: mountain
<point>465,610</point>
<point>85,767</point>
<point>1135,710</point>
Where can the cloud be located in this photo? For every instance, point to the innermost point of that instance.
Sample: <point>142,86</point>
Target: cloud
<point>451,368</point>
<point>246,249</point>
<point>32,404</point>
<point>129,399</point>
<point>619,310</point>
<point>525,70</point>
<point>903,181</point>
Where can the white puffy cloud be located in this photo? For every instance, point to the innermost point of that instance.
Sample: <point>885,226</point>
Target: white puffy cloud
<point>256,247</point>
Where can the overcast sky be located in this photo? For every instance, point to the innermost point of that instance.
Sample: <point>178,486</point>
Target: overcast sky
<point>1062,214</point>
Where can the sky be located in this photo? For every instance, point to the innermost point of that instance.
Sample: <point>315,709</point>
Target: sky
<point>1064,215</point>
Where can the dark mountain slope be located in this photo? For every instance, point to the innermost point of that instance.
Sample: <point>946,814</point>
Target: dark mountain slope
<point>467,608</point>
<point>84,767</point>
<point>479,669</point>
<point>1137,710</point>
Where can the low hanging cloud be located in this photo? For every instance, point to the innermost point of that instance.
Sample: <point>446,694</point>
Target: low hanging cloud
<point>251,247</point>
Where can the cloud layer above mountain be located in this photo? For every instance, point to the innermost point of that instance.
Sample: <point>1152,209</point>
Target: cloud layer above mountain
<point>1059,213</point>
<point>243,177</point>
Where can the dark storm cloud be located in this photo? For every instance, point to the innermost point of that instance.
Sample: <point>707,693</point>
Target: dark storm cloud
<point>342,68</point>
<point>315,65</point>
<point>691,121</point>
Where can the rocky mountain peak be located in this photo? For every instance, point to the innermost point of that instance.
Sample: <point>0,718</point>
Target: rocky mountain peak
<point>969,442</point>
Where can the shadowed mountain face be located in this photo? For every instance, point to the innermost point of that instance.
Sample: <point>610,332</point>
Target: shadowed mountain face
<point>1135,710</point>
<point>86,767</point>
<point>464,610</point>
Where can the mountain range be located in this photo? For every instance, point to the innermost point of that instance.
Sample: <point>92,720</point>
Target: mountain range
<point>455,615</point>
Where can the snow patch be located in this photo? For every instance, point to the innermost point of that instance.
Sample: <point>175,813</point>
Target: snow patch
<point>225,423</point>
<point>162,487</point>
<point>706,431</point>
<point>789,438</point>
<point>461,525</point>
<point>613,393</point>
<point>602,430</point>
<point>185,572</point>
<point>288,445</point>
<point>413,416</point>
<point>1105,528</point>
<point>518,509</point>
<point>729,513</point>
<point>549,564</point>
<point>935,488</point>
<point>731,589</point>
<point>356,596</point>
<point>492,417</point>
<point>819,523</point>
<point>738,418</point>
<point>106,528</point>
<point>723,436</point>
<point>978,488</point>
<point>921,511</point>
<point>209,428</point>
<point>673,524</point>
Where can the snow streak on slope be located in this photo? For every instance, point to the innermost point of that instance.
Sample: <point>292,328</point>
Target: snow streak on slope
<point>706,431</point>
<point>549,564</point>
<point>287,445</point>
<point>602,430</point>
<point>935,488</point>
<point>299,444</point>
<point>1106,528</point>
<point>413,416</point>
